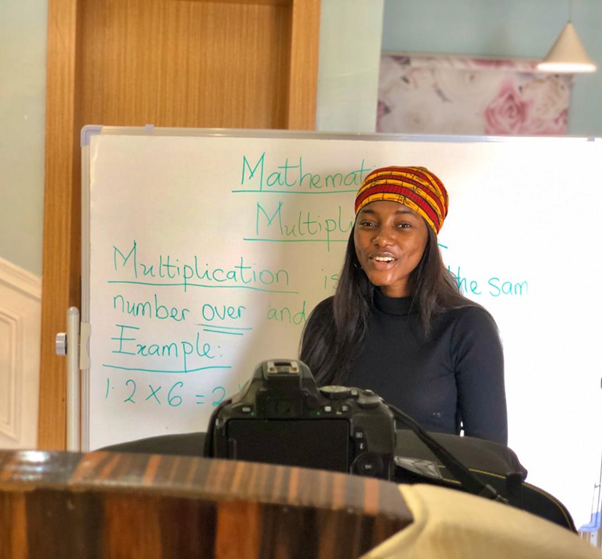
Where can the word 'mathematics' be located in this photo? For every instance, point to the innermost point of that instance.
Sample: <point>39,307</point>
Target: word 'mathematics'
<point>291,177</point>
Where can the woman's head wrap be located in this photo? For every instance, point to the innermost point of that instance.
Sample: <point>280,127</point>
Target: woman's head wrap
<point>414,187</point>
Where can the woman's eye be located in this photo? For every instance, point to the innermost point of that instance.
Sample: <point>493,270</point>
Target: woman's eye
<point>367,224</point>
<point>404,225</point>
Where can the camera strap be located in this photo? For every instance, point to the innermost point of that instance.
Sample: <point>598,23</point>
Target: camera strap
<point>471,483</point>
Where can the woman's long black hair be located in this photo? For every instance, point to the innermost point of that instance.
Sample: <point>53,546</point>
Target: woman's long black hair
<point>329,348</point>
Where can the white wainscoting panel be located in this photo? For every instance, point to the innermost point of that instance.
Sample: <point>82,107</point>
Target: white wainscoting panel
<point>20,322</point>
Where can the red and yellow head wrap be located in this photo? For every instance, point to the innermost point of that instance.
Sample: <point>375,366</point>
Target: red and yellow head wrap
<point>414,187</point>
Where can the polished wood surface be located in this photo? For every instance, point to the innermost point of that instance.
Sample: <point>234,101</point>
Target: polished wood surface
<point>109,505</point>
<point>172,63</point>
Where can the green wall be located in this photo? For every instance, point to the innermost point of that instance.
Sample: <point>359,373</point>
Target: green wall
<point>350,41</point>
<point>22,118</point>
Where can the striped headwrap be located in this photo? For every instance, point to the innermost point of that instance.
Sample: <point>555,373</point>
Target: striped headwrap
<point>414,187</point>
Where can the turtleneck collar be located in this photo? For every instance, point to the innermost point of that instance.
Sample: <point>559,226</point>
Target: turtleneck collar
<point>400,306</point>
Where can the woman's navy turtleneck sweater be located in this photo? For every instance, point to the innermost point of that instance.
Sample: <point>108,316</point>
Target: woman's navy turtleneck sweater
<point>451,380</point>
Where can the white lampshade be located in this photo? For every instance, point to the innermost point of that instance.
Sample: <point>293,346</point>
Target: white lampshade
<point>567,54</point>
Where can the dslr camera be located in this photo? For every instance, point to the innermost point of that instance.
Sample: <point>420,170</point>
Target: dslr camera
<point>281,417</point>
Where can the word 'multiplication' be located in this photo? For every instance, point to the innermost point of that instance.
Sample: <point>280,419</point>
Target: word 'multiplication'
<point>167,269</point>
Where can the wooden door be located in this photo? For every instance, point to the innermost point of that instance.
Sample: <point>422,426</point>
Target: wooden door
<point>172,63</point>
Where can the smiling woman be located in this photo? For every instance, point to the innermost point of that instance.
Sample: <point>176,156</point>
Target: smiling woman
<point>389,243</point>
<point>398,324</point>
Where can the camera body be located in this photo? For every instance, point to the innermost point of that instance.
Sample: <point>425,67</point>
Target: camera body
<point>281,417</point>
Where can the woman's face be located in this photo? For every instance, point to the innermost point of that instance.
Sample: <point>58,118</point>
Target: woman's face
<point>389,242</point>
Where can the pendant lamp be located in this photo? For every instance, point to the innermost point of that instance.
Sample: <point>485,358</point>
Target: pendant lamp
<point>567,54</point>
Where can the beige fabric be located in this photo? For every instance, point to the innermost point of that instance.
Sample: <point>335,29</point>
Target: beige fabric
<point>450,524</point>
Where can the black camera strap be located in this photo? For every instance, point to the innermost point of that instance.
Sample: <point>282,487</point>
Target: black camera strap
<point>469,481</point>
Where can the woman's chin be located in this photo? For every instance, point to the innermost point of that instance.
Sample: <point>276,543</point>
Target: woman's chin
<point>381,282</point>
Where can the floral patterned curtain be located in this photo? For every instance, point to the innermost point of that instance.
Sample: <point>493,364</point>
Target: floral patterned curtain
<point>472,96</point>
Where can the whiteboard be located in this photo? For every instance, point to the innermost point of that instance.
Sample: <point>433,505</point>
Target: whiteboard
<point>204,251</point>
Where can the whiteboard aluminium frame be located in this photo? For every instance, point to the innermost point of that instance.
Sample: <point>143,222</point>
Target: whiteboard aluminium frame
<point>150,130</point>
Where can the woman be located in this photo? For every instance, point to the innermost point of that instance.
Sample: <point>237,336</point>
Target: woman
<point>398,324</point>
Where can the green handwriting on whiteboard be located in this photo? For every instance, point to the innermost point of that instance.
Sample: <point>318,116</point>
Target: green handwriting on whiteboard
<point>127,343</point>
<point>292,178</point>
<point>148,309</point>
<point>494,286</point>
<point>140,369</point>
<point>285,314</point>
<point>173,395</point>
<point>238,276</point>
<point>299,226</point>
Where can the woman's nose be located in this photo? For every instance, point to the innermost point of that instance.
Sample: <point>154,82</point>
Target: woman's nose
<point>382,238</point>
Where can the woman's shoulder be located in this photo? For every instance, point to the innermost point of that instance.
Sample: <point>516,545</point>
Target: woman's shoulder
<point>471,315</point>
<point>469,309</point>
